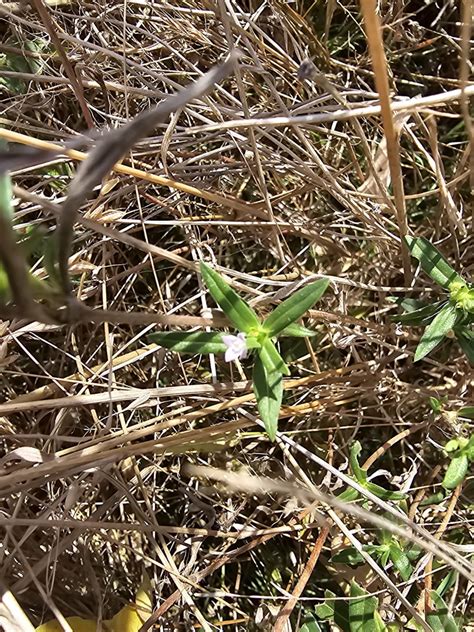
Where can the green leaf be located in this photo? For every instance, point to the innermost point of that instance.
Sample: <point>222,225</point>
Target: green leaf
<point>271,358</point>
<point>6,195</point>
<point>401,561</point>
<point>350,556</point>
<point>190,342</point>
<point>236,309</point>
<point>384,494</point>
<point>310,625</point>
<point>420,316</point>
<point>294,307</point>
<point>268,389</point>
<point>436,405</point>
<point>441,620</point>
<point>348,495</point>
<point>379,623</point>
<point>466,411</point>
<point>361,610</point>
<point>5,292</point>
<point>432,261</point>
<point>296,331</point>
<point>436,331</point>
<point>407,304</point>
<point>434,499</point>
<point>359,473</point>
<point>324,611</point>
<point>465,337</point>
<point>446,583</point>
<point>456,472</point>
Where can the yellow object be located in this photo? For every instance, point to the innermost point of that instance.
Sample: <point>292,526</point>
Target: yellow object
<point>128,619</point>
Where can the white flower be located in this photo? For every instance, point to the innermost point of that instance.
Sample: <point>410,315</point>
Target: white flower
<point>236,347</point>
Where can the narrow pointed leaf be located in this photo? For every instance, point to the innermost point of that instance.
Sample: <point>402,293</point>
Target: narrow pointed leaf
<point>384,494</point>
<point>236,309</point>
<point>294,307</point>
<point>271,358</point>
<point>401,562</point>
<point>465,337</point>
<point>436,330</point>
<point>456,472</point>
<point>466,411</point>
<point>432,261</point>
<point>296,331</point>
<point>420,316</point>
<point>379,623</point>
<point>190,342</point>
<point>359,473</point>
<point>268,389</point>
<point>349,495</point>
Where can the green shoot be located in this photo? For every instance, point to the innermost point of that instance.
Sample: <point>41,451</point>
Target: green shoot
<point>455,313</point>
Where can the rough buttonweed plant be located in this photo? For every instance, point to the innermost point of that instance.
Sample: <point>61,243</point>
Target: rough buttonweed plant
<point>253,336</point>
<point>454,313</point>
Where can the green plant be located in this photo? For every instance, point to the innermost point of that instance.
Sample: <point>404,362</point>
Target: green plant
<point>360,475</point>
<point>460,449</point>
<point>454,313</point>
<point>389,549</point>
<point>357,614</point>
<point>253,335</point>
<point>33,242</point>
<point>461,453</point>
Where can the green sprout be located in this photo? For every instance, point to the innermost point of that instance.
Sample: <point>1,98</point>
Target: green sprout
<point>253,336</point>
<point>461,453</point>
<point>360,475</point>
<point>453,313</point>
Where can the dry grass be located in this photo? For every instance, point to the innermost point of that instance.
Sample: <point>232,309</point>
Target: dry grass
<point>115,422</point>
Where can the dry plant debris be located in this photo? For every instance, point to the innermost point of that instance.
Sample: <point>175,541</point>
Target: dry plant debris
<point>120,456</point>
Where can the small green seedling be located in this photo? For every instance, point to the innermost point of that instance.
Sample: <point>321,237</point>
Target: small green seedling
<point>389,550</point>
<point>360,475</point>
<point>454,313</point>
<point>253,335</point>
<point>461,453</point>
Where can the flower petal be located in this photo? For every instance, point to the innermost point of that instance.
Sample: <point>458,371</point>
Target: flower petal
<point>230,355</point>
